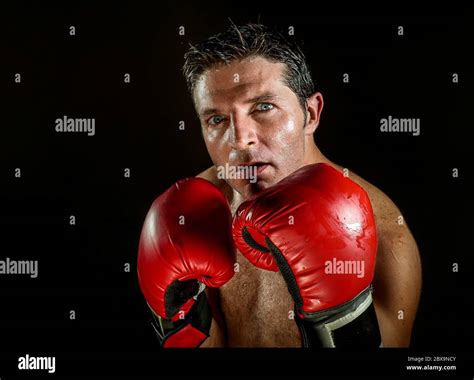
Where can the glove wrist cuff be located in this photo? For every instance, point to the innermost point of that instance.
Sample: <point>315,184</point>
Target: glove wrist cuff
<point>353,324</point>
<point>191,331</point>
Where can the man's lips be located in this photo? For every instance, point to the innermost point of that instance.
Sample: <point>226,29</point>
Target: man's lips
<point>258,165</point>
<point>261,168</point>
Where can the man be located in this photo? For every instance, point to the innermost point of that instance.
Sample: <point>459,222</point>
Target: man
<point>255,99</point>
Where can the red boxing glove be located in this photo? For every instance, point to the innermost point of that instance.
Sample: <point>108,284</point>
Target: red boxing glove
<point>318,228</point>
<point>185,245</point>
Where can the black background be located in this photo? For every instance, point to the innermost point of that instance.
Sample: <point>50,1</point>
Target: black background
<point>81,267</point>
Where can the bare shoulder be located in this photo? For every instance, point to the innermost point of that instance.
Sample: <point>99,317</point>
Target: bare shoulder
<point>387,213</point>
<point>210,174</point>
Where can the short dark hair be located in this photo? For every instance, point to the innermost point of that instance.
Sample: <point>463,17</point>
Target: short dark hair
<point>239,42</point>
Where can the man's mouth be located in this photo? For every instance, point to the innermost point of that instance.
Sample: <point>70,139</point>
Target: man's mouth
<point>259,167</point>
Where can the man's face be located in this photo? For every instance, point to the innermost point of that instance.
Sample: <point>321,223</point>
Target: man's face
<point>250,117</point>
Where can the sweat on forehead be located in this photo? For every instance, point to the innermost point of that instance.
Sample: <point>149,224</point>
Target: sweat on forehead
<point>245,81</point>
<point>250,71</point>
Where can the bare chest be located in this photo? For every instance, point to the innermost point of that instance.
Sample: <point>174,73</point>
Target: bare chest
<point>258,308</point>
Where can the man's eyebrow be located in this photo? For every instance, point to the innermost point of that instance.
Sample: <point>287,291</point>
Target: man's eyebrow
<point>256,99</point>
<point>261,98</point>
<point>208,111</point>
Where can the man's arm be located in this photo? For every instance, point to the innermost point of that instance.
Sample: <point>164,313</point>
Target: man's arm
<point>397,281</point>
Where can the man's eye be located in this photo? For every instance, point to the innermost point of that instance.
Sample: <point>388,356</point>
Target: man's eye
<point>215,120</point>
<point>264,106</point>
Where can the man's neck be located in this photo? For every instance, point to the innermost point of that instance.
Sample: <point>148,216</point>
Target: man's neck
<point>314,156</point>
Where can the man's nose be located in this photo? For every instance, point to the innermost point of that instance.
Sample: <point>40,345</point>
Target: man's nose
<point>243,132</point>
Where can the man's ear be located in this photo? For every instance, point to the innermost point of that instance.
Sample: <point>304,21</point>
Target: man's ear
<point>315,104</point>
